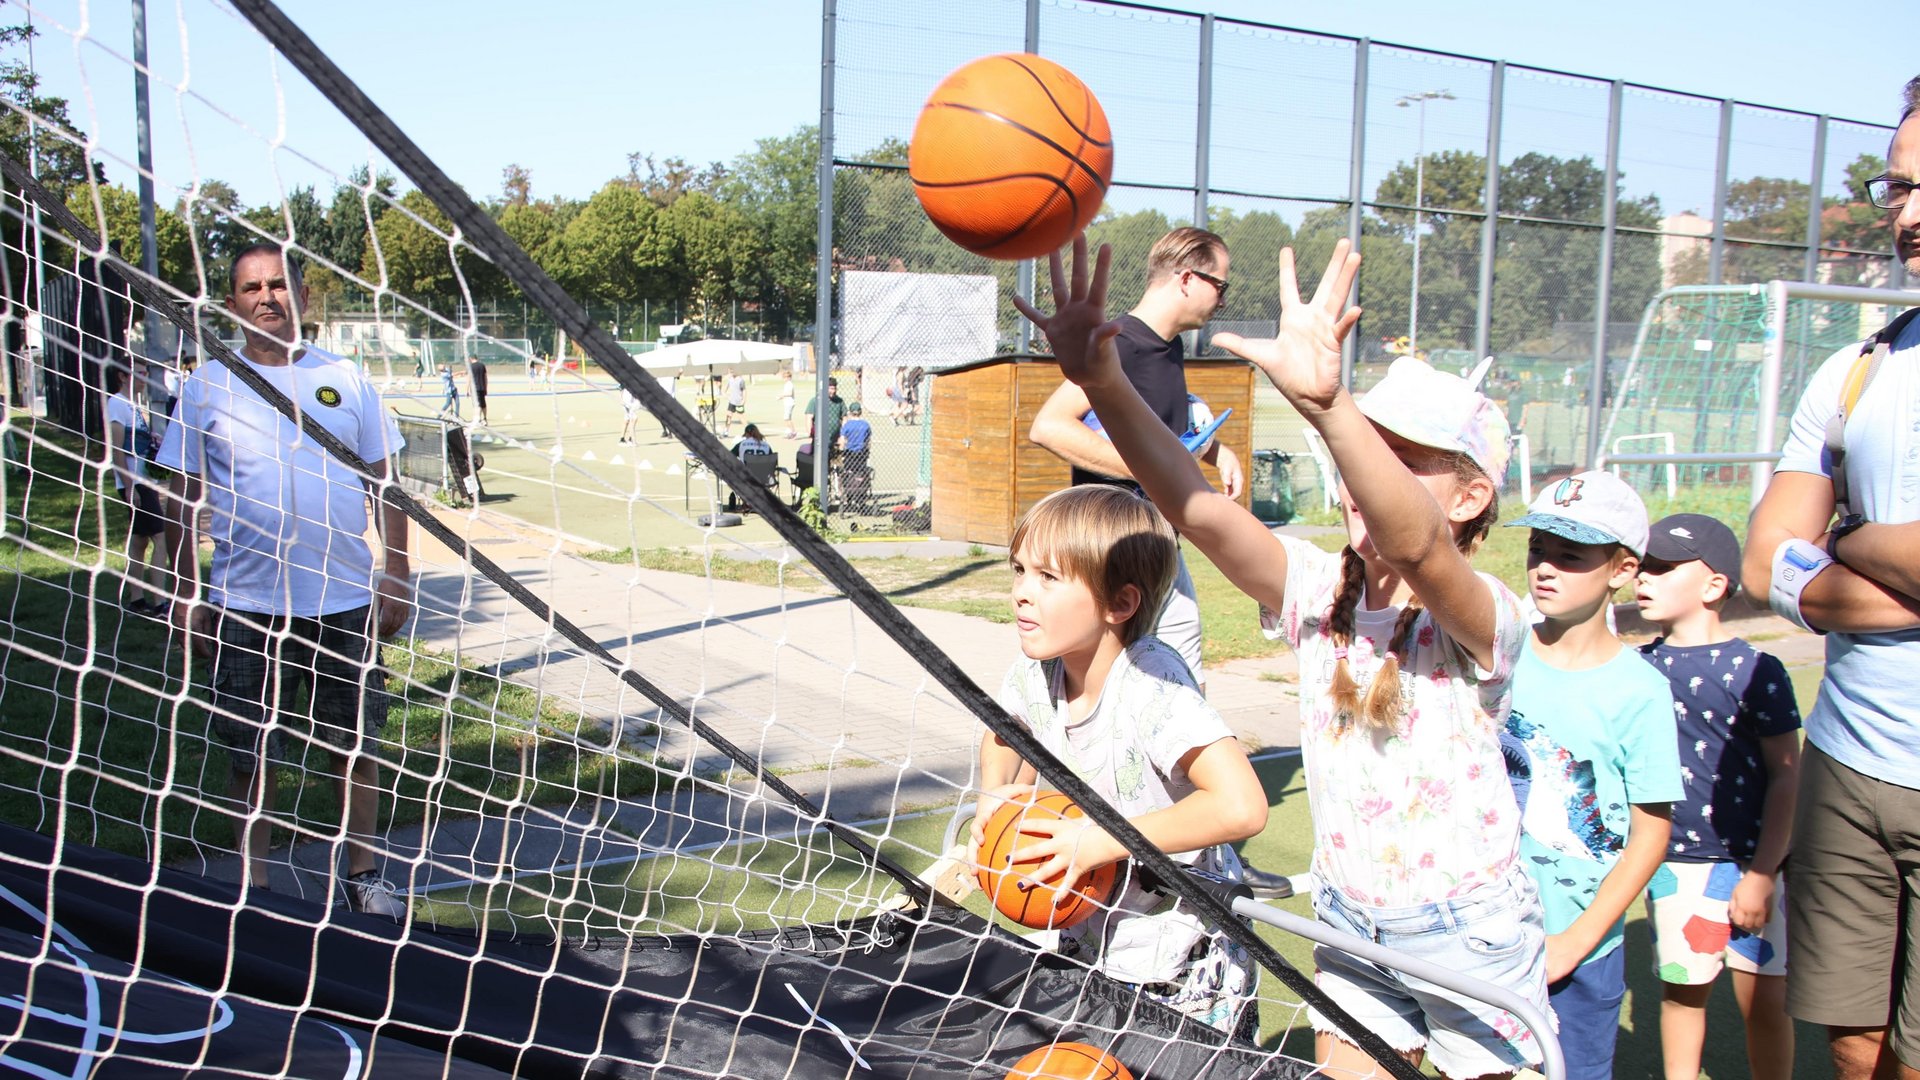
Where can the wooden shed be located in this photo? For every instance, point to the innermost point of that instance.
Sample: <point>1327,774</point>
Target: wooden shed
<point>985,470</point>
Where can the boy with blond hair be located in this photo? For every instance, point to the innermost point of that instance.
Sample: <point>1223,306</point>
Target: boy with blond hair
<point>1718,902</point>
<point>1091,567</point>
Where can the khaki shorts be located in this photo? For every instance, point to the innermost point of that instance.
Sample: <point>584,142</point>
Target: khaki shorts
<point>1854,879</point>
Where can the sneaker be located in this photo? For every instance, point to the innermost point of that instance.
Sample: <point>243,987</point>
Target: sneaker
<point>1265,884</point>
<point>367,891</point>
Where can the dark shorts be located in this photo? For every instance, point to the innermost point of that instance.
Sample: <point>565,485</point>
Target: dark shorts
<point>1852,903</point>
<point>732,408</point>
<point>271,672</point>
<point>1587,1006</point>
<point>147,519</point>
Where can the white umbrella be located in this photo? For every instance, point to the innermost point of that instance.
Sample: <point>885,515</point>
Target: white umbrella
<point>706,357</point>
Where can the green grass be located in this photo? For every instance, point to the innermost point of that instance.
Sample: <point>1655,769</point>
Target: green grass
<point>100,735</point>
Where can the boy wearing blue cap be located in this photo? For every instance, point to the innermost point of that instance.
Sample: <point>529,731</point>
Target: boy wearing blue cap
<point>1718,902</point>
<point>1593,754</point>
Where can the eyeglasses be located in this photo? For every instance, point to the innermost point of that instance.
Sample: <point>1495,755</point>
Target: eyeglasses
<point>1220,285</point>
<point>1888,193</point>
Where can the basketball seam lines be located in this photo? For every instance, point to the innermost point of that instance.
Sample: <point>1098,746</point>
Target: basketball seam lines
<point>1018,126</point>
<point>1057,107</point>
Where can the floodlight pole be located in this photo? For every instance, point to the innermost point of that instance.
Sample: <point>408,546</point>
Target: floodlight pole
<point>1419,198</point>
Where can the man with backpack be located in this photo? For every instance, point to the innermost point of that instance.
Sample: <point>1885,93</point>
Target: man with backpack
<point>1832,544</point>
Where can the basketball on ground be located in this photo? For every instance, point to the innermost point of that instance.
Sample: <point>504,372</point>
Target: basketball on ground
<point>1001,868</point>
<point>1011,156</point>
<point>1069,1061</point>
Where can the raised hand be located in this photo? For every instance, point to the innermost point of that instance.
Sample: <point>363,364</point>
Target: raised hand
<point>1080,333</point>
<point>1303,360</point>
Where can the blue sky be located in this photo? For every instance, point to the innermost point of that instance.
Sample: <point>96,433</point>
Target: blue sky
<point>567,90</point>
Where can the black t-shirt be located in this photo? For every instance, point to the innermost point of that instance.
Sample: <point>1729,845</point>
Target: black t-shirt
<point>1156,368</point>
<point>478,373</point>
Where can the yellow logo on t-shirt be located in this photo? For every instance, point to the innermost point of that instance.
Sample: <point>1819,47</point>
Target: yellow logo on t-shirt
<point>328,396</point>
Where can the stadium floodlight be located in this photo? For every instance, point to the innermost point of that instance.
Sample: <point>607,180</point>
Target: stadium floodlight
<point>1419,198</point>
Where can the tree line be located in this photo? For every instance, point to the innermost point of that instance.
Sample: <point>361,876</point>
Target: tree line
<point>704,242</point>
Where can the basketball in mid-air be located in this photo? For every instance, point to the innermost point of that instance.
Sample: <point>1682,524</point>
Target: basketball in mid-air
<point>1011,156</point>
<point>1001,868</point>
<point>1069,1061</point>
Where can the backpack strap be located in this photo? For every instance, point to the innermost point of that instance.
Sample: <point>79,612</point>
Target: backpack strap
<point>1873,353</point>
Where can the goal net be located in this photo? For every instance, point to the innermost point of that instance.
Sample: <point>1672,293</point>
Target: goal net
<point>657,793</point>
<point>1694,383</point>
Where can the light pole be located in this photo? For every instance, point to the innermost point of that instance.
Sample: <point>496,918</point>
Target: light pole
<point>1419,197</point>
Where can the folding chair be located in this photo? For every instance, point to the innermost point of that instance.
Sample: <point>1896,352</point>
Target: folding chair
<point>766,471</point>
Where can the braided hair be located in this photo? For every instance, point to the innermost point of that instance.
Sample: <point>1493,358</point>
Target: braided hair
<point>1379,709</point>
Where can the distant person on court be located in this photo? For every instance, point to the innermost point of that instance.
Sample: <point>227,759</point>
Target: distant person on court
<point>451,406</point>
<point>736,401</point>
<point>1186,284</point>
<point>1717,902</point>
<point>477,380</point>
<point>1120,709</point>
<point>1595,759</point>
<point>1406,657</point>
<point>1832,543</point>
<point>294,600</point>
<point>786,401</point>
<point>830,414</point>
<point>130,443</point>
<point>856,442</point>
<point>629,415</point>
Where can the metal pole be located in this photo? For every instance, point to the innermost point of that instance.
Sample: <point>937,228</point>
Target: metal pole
<point>1024,273</point>
<point>1490,225</point>
<point>1603,294</point>
<point>823,261</point>
<point>1717,252</point>
<point>143,126</point>
<point>1419,196</point>
<point>1203,126</point>
<point>1815,204</point>
<point>1773,353</point>
<point>1356,161</point>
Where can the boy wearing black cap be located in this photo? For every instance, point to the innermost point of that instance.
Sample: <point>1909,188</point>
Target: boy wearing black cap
<point>1717,901</point>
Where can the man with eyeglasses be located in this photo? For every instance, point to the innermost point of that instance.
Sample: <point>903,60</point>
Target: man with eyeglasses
<point>1832,545</point>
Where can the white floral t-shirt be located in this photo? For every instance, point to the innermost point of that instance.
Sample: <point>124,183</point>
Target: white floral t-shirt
<point>1128,748</point>
<point>1425,812</point>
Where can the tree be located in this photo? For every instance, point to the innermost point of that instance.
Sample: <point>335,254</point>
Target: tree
<point>411,256</point>
<point>615,249</point>
<point>776,189</point>
<point>516,186</point>
<point>117,220</point>
<point>356,208</point>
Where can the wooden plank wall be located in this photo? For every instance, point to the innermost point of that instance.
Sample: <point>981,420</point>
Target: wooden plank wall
<point>985,470</point>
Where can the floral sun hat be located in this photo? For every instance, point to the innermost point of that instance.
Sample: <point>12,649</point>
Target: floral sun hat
<point>1432,408</point>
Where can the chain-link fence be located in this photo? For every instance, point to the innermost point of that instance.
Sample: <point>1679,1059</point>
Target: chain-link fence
<point>1602,193</point>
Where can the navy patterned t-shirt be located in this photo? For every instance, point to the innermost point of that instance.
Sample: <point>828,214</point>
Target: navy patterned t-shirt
<point>1726,698</point>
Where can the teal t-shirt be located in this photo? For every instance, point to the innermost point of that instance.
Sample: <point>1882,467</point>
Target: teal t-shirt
<point>1583,746</point>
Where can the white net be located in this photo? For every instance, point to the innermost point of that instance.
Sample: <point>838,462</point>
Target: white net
<point>655,792</point>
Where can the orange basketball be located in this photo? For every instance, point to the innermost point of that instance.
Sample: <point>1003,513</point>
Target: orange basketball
<point>1011,156</point>
<point>1001,868</point>
<point>1069,1061</point>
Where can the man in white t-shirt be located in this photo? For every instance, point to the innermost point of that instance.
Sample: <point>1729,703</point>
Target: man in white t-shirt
<point>293,595</point>
<point>1856,829</point>
<point>128,440</point>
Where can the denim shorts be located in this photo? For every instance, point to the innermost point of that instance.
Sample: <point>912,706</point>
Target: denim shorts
<point>1495,933</point>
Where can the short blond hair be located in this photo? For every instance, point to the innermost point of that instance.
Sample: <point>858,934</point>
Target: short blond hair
<point>1109,538</point>
<point>1185,248</point>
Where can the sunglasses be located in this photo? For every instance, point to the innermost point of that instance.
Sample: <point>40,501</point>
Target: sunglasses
<point>1220,285</point>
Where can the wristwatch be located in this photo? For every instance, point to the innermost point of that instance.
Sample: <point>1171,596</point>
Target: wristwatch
<point>1848,524</point>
